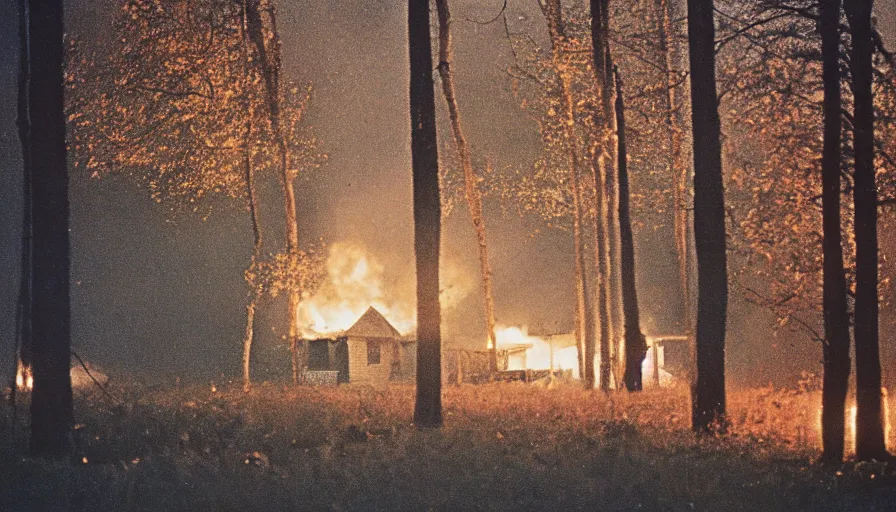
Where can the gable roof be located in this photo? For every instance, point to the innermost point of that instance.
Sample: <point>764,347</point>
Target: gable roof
<point>372,324</point>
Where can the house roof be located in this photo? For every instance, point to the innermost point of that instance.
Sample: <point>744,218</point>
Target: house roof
<point>372,324</point>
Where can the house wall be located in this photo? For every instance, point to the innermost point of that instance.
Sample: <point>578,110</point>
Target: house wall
<point>361,372</point>
<point>516,360</point>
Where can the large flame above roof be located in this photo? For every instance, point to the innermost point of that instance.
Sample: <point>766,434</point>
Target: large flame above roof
<point>354,284</point>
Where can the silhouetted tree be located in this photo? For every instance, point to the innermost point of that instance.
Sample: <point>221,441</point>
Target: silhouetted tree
<point>836,316</point>
<point>708,401</point>
<point>635,343</point>
<point>23,309</point>
<point>427,217</point>
<point>869,417</point>
<point>52,416</point>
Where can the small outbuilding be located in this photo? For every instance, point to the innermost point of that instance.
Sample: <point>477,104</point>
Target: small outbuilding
<point>371,351</point>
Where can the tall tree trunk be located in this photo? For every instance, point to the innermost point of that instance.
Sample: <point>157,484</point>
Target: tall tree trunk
<point>677,169</point>
<point>52,416</point>
<point>613,273</point>
<point>602,267</point>
<point>471,186</point>
<point>23,308</point>
<point>269,59</point>
<point>579,328</point>
<point>249,176</point>
<point>870,442</point>
<point>553,13</point>
<point>836,317</point>
<point>635,342</point>
<point>613,234</point>
<point>253,293</point>
<point>427,218</point>
<point>708,400</point>
<point>602,175</point>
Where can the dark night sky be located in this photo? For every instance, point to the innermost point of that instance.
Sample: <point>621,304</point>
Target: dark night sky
<point>160,293</point>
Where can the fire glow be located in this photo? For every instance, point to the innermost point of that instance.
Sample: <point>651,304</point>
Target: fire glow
<point>851,424</point>
<point>24,378</point>
<point>542,354</point>
<point>355,282</point>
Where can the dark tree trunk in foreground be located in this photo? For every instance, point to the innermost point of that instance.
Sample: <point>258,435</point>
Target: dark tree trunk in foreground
<point>836,319</point>
<point>708,395</point>
<point>427,218</point>
<point>52,417</point>
<point>869,417</point>
<point>471,186</point>
<point>23,311</point>
<point>269,58</point>
<point>635,343</point>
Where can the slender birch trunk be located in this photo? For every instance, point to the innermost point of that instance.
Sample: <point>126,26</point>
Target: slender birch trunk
<point>472,192</point>
<point>249,176</point>
<point>677,169</point>
<point>270,66</point>
<point>554,15</point>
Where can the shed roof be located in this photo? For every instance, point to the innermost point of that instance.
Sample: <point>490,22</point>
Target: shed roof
<point>372,324</point>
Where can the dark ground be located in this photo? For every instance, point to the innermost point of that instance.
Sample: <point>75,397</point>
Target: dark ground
<point>504,447</point>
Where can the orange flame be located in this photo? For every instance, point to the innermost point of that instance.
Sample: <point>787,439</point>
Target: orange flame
<point>543,354</point>
<point>24,378</point>
<point>354,283</point>
<point>851,424</point>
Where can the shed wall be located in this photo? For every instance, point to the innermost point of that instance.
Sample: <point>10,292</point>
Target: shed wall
<point>363,373</point>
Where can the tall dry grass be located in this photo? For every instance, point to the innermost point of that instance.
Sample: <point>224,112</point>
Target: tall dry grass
<point>504,446</point>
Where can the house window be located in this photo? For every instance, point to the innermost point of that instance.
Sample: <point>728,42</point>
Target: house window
<point>373,352</point>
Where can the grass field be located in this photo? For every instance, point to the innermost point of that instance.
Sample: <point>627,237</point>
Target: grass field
<point>504,447</point>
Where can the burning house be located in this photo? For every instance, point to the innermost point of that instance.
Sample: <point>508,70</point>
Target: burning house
<point>371,351</point>
<point>526,356</point>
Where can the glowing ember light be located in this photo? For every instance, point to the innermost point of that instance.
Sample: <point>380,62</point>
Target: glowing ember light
<point>24,378</point>
<point>888,438</point>
<point>851,426</point>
